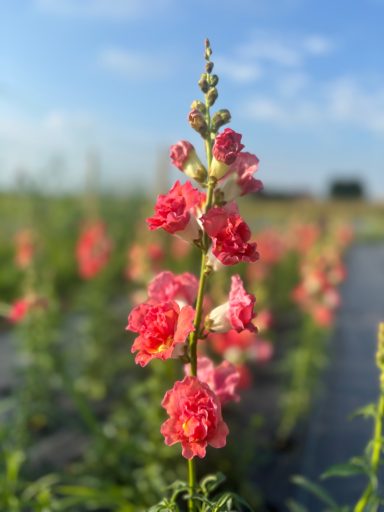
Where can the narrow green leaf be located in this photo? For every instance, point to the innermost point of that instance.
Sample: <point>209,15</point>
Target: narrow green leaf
<point>315,489</point>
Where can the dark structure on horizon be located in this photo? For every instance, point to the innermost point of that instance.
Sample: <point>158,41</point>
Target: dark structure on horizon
<point>347,189</point>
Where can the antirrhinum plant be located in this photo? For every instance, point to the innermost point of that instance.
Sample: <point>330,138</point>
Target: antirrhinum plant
<point>368,464</point>
<point>176,319</point>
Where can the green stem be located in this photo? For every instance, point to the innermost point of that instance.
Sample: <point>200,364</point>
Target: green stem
<point>376,453</point>
<point>191,483</point>
<point>194,336</point>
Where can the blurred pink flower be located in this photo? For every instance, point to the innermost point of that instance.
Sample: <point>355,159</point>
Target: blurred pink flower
<point>222,379</point>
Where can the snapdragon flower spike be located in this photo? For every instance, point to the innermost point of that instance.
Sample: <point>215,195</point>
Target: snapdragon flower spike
<point>239,179</point>
<point>25,248</point>
<point>163,328</point>
<point>222,379</point>
<point>237,313</point>
<point>225,150</point>
<point>93,250</point>
<point>19,310</point>
<point>184,157</point>
<point>195,418</point>
<point>230,236</point>
<point>176,211</point>
<point>168,286</point>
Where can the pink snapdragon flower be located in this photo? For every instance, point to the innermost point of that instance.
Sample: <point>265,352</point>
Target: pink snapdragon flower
<point>176,211</point>
<point>167,286</point>
<point>183,156</point>
<point>237,313</point>
<point>230,235</point>
<point>19,310</point>
<point>162,327</point>
<point>222,379</point>
<point>239,179</point>
<point>93,249</point>
<point>25,248</point>
<point>195,418</point>
<point>225,150</point>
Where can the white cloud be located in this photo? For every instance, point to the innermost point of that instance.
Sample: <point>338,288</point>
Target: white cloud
<point>285,50</point>
<point>115,10</point>
<point>342,101</point>
<point>318,45</point>
<point>32,143</point>
<point>133,65</point>
<point>241,72</point>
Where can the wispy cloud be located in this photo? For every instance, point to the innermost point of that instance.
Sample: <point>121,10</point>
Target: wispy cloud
<point>284,49</point>
<point>115,10</point>
<point>242,72</point>
<point>342,100</point>
<point>31,143</point>
<point>133,65</point>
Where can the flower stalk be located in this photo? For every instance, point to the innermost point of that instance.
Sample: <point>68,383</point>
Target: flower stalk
<point>204,271</point>
<point>377,442</point>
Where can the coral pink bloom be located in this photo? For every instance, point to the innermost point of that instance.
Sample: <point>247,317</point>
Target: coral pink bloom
<point>245,376</point>
<point>232,341</point>
<point>261,351</point>
<point>179,249</point>
<point>322,315</point>
<point>230,235</point>
<point>19,310</point>
<point>239,179</point>
<point>143,261</point>
<point>227,146</point>
<point>25,248</point>
<point>195,418</point>
<point>222,379</point>
<point>175,212</point>
<point>93,250</point>
<point>237,313</point>
<point>168,286</point>
<point>270,246</point>
<point>163,328</point>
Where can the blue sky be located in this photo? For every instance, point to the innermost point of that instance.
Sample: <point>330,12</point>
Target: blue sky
<point>304,81</point>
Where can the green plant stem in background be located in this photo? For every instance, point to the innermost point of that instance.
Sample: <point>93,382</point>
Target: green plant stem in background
<point>376,453</point>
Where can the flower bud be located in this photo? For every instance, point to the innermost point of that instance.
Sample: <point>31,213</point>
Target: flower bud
<point>214,80</point>
<point>208,50</point>
<point>212,96</point>
<point>209,67</point>
<point>198,105</point>
<point>203,83</point>
<point>220,118</point>
<point>184,157</point>
<point>198,123</point>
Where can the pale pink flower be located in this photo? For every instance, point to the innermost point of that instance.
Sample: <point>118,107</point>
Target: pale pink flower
<point>237,313</point>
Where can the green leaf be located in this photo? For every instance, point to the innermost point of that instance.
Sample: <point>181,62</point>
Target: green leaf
<point>344,470</point>
<point>315,489</point>
<point>293,506</point>
<point>368,411</point>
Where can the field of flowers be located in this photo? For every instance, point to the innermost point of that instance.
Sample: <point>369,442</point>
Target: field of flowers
<point>93,304</point>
